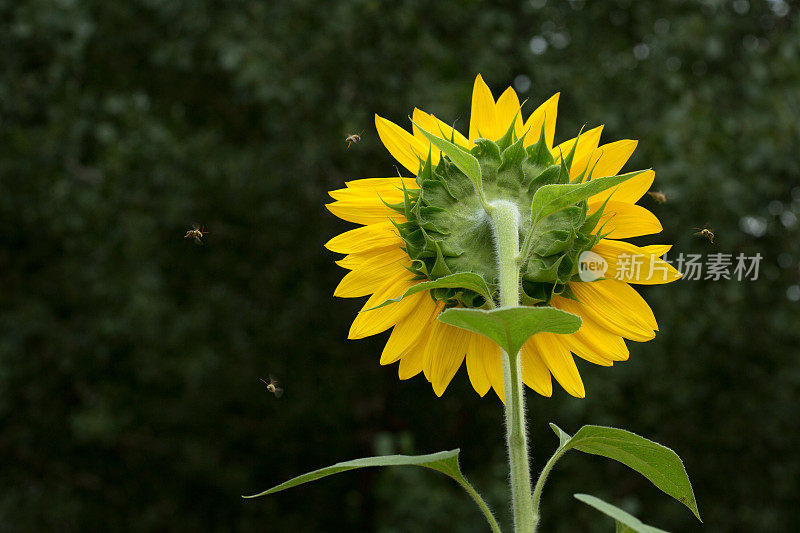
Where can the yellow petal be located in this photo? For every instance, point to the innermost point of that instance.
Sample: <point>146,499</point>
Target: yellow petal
<point>608,160</point>
<point>475,366</point>
<point>433,125</point>
<point>444,354</point>
<point>612,313</point>
<point>507,109</point>
<point>372,322</point>
<point>384,187</point>
<point>411,361</point>
<point>373,273</point>
<point>351,261</point>
<point>483,116</point>
<point>587,143</point>
<point>544,114</point>
<point>534,371</point>
<point>364,211</point>
<point>372,195</point>
<point>623,297</point>
<point>629,191</point>
<point>493,365</point>
<point>407,149</point>
<point>365,238</point>
<point>621,220</point>
<point>597,345</point>
<point>407,331</point>
<point>560,362</point>
<point>591,342</point>
<point>634,264</point>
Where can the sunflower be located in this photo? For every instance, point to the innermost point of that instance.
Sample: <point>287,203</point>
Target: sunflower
<point>416,229</point>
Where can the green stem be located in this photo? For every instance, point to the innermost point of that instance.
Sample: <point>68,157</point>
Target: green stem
<point>526,247</point>
<point>537,491</point>
<point>482,504</point>
<point>505,218</point>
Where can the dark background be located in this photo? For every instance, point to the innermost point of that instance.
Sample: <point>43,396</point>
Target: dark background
<point>130,357</point>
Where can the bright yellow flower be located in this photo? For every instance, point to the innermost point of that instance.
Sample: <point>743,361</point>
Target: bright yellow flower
<point>379,265</point>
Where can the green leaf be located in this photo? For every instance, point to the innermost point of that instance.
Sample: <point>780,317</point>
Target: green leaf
<point>657,463</point>
<point>465,161</point>
<point>510,327</point>
<point>551,198</point>
<point>625,521</point>
<point>563,436</point>
<point>444,462</point>
<point>462,280</point>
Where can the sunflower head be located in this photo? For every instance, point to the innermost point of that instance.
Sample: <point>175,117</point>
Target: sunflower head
<point>417,233</point>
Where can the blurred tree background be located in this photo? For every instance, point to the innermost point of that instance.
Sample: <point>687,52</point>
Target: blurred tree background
<point>130,357</point>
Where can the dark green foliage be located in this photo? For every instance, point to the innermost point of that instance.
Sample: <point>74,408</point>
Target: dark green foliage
<point>130,357</point>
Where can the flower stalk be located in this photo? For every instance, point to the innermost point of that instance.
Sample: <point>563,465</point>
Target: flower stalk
<point>505,224</point>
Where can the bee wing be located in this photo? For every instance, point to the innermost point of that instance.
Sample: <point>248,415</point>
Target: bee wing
<point>198,241</point>
<point>272,378</point>
<point>698,234</point>
<point>278,392</point>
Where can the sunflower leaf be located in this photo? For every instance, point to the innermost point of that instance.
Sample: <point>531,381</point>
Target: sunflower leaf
<point>554,197</point>
<point>463,280</point>
<point>657,463</point>
<point>625,521</point>
<point>444,462</point>
<point>511,327</point>
<point>463,160</point>
<point>563,436</point>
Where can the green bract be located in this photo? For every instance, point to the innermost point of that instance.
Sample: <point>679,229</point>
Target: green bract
<point>449,231</point>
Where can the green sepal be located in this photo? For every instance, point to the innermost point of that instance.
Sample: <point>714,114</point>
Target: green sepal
<point>566,292</point>
<point>508,138</point>
<point>426,172</point>
<point>511,327</point>
<point>542,269</point>
<point>571,155</point>
<point>657,463</point>
<point>592,220</point>
<point>536,293</point>
<point>462,280</point>
<point>539,153</point>
<point>548,176</point>
<point>461,158</point>
<point>513,156</point>
<point>558,233</point>
<point>580,177</point>
<point>625,521</point>
<point>551,198</point>
<point>487,149</point>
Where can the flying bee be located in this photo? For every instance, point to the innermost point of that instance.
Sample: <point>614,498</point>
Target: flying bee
<point>658,196</point>
<point>272,386</point>
<point>354,138</point>
<point>196,233</point>
<point>706,233</point>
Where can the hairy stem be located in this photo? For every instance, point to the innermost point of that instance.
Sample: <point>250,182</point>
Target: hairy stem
<point>482,504</point>
<point>537,492</point>
<point>505,218</point>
